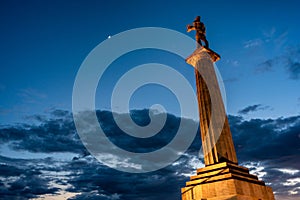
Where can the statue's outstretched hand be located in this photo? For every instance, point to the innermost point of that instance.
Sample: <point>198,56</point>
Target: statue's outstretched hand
<point>189,28</point>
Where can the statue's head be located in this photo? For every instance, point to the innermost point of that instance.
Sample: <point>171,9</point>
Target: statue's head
<point>197,19</point>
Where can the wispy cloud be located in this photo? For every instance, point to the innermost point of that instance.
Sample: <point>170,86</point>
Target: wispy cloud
<point>293,68</point>
<point>30,95</point>
<point>289,59</point>
<point>234,63</point>
<point>272,36</point>
<point>278,38</point>
<point>252,108</point>
<point>281,40</point>
<point>269,34</point>
<point>289,171</point>
<point>231,80</point>
<point>285,56</point>
<point>253,43</point>
<point>256,168</point>
<point>291,182</point>
<point>266,66</point>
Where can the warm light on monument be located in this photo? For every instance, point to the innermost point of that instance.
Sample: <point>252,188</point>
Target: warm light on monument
<point>221,178</point>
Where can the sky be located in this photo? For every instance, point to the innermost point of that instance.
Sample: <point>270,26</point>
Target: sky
<point>43,45</point>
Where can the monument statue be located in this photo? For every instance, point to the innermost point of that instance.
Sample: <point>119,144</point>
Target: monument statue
<point>200,29</point>
<point>221,178</point>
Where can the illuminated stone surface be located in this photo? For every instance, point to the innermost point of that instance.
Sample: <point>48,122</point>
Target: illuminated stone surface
<point>221,178</point>
<point>216,137</point>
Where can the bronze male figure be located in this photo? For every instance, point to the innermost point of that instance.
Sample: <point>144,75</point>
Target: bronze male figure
<point>199,27</point>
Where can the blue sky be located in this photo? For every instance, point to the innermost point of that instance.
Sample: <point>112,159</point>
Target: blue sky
<point>43,44</point>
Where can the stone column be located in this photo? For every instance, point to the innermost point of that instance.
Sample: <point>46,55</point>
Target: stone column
<point>216,137</point>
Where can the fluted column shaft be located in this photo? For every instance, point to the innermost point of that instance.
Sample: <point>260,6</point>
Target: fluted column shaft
<point>216,136</point>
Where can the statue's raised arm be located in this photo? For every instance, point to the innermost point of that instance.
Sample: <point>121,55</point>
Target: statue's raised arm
<point>190,28</point>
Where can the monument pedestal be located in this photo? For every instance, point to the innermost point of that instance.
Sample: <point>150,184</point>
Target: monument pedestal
<point>225,181</point>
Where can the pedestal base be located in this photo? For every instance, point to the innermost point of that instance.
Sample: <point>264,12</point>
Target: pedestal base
<point>225,181</point>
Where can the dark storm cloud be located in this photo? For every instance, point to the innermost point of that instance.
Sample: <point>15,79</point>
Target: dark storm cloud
<point>100,180</point>
<point>88,176</point>
<point>7,170</point>
<point>252,108</point>
<point>141,117</point>
<point>265,139</point>
<point>135,144</point>
<point>272,142</point>
<point>20,179</point>
<point>106,183</point>
<point>275,143</point>
<point>49,135</point>
<point>58,133</point>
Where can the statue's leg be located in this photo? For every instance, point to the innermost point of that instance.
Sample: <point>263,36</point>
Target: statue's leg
<point>199,44</point>
<point>206,42</point>
<point>203,38</point>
